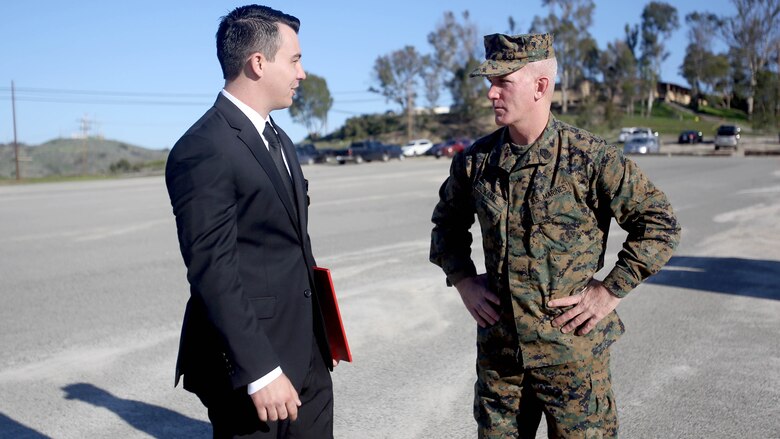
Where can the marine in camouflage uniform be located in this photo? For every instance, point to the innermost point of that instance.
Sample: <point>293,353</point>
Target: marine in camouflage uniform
<point>544,210</point>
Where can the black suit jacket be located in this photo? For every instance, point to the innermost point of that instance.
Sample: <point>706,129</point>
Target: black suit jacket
<point>248,256</point>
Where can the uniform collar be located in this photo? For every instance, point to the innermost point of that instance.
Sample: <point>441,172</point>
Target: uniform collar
<point>507,155</point>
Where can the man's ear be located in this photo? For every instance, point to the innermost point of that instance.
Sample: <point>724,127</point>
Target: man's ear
<point>255,65</point>
<point>542,85</point>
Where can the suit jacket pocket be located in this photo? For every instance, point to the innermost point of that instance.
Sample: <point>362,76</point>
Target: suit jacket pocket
<point>265,307</point>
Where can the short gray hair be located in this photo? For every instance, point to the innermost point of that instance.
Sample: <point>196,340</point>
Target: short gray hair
<point>546,67</point>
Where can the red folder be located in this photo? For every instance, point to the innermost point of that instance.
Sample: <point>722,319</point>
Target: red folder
<point>337,337</point>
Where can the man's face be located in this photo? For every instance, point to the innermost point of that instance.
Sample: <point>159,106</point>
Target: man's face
<point>285,71</point>
<point>512,96</point>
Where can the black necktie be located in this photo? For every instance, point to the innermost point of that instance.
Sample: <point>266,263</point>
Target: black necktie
<point>275,148</point>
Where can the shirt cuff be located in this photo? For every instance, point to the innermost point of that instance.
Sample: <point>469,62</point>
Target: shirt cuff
<point>619,282</point>
<point>263,381</point>
<point>457,276</point>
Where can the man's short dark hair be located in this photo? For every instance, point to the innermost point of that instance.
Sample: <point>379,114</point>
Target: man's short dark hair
<point>246,30</point>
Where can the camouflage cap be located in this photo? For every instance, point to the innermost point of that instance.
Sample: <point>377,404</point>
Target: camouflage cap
<point>505,54</point>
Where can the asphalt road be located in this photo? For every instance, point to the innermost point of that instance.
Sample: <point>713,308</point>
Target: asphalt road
<point>93,288</point>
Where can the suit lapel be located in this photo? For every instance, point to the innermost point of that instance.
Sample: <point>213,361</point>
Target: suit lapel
<point>249,136</point>
<point>297,174</point>
<point>300,198</point>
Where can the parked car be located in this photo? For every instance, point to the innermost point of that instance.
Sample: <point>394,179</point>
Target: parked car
<point>627,133</point>
<point>304,157</point>
<point>727,136</point>
<point>417,147</point>
<point>642,143</point>
<point>308,154</point>
<point>432,150</point>
<point>395,152</point>
<point>690,136</point>
<point>368,150</point>
<point>451,147</point>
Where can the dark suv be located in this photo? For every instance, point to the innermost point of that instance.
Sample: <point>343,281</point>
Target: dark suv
<point>368,150</point>
<point>727,136</point>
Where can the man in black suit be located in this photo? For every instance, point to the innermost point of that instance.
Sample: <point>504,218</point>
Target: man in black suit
<point>253,346</point>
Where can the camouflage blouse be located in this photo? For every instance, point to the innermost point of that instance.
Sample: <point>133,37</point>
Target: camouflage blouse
<point>544,211</point>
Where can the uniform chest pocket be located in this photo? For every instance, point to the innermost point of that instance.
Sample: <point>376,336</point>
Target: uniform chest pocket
<point>559,218</point>
<point>489,206</point>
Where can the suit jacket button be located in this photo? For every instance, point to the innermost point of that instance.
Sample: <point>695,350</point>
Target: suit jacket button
<point>307,292</point>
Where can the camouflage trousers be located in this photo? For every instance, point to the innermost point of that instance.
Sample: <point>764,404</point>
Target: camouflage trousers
<point>575,398</point>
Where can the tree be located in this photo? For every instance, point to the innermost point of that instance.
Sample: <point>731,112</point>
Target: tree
<point>702,26</point>
<point>737,87</point>
<point>432,73</point>
<point>468,96</point>
<point>619,69</point>
<point>569,21</point>
<point>512,25</point>
<point>367,126</point>
<point>591,54</point>
<point>456,45</point>
<point>716,78</point>
<point>454,42</point>
<point>659,20</point>
<point>704,70</point>
<point>767,100</point>
<point>630,88</point>
<point>311,104</point>
<point>754,33</point>
<point>397,75</point>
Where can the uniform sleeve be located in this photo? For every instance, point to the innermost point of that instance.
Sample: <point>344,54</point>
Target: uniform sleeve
<point>644,212</point>
<point>452,219</point>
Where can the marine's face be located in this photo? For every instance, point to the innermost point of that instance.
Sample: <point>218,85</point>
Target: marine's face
<point>511,96</point>
<point>286,71</point>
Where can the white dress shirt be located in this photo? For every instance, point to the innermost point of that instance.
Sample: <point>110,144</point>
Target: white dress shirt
<point>257,120</point>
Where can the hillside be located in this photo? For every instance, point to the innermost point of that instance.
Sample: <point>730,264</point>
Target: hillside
<point>68,157</point>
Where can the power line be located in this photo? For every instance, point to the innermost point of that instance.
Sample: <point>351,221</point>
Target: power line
<point>39,90</point>
<point>351,113</point>
<point>36,90</point>
<point>59,95</point>
<point>105,97</point>
<point>159,99</point>
<point>357,101</point>
<point>104,101</point>
<point>351,92</point>
<point>66,100</point>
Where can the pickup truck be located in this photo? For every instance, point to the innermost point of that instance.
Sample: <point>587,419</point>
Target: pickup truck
<point>368,150</point>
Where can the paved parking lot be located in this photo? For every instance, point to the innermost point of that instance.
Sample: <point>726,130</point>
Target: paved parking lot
<point>93,290</point>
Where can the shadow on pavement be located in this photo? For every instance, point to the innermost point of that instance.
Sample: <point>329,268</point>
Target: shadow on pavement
<point>153,420</point>
<point>10,428</point>
<point>737,276</point>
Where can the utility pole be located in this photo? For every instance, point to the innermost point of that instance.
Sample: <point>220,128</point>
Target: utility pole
<point>16,144</point>
<point>85,125</point>
<point>409,110</point>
